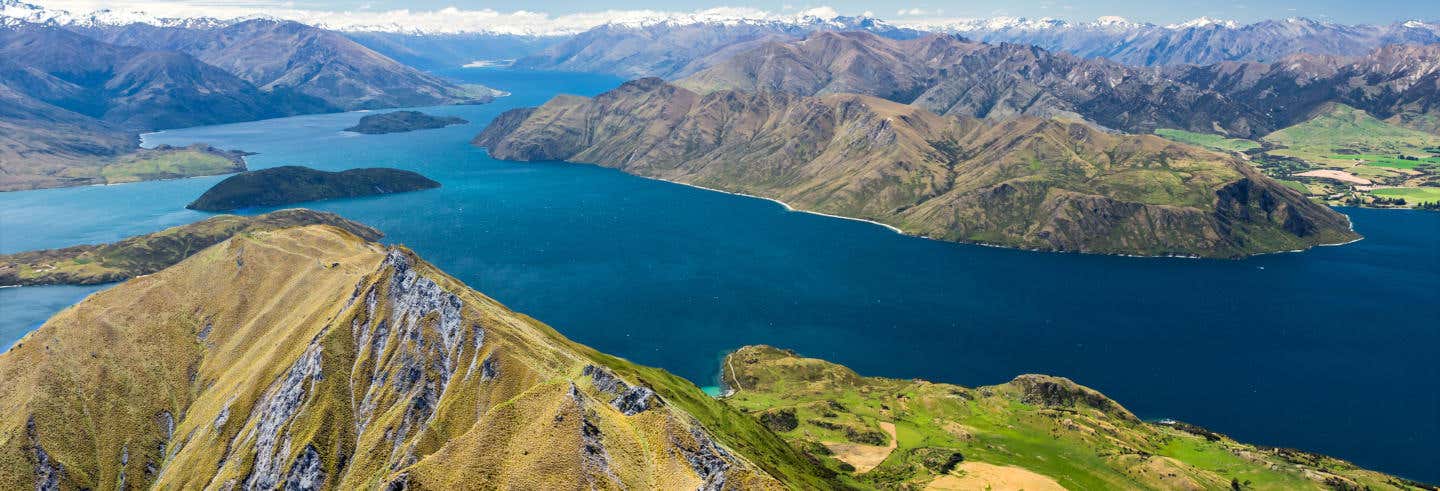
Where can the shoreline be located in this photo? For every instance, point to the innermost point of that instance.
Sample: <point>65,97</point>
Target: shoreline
<point>787,206</point>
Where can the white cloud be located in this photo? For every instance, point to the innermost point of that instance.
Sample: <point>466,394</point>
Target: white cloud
<point>446,20</point>
<point>912,12</point>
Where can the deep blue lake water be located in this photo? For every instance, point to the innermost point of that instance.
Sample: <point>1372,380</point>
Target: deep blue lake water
<point>1330,350</point>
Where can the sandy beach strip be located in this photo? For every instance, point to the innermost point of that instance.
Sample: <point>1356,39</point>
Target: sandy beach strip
<point>781,203</point>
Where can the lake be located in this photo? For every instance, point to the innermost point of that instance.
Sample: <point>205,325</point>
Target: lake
<point>1330,350</point>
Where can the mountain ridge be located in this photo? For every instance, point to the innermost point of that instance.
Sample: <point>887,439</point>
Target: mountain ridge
<point>1030,182</point>
<point>362,367</point>
<point>951,75</point>
<point>287,55</point>
<point>76,98</point>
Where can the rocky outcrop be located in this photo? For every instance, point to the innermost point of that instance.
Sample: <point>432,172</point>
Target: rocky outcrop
<point>48,473</point>
<point>1046,184</point>
<point>629,400</point>
<point>595,460</point>
<point>270,416</point>
<point>1044,390</point>
<point>306,472</point>
<point>708,460</point>
<point>412,353</point>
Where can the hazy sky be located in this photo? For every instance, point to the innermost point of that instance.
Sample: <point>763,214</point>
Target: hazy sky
<point>582,13</point>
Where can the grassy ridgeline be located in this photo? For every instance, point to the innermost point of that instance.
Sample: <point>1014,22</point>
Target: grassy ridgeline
<point>145,254</point>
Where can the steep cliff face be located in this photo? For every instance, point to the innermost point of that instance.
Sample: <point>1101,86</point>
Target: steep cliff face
<point>308,358</point>
<point>1025,182</point>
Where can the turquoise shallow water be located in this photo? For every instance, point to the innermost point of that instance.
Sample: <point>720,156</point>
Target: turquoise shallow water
<point>1329,350</point>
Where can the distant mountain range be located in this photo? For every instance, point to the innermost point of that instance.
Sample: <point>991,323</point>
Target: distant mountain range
<point>76,94</point>
<point>649,43</point>
<point>1201,41</point>
<point>951,75</point>
<point>672,50</point>
<point>134,87</point>
<point>290,56</point>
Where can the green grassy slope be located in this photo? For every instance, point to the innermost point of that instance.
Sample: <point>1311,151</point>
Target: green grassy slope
<point>171,163</point>
<point>1041,425</point>
<point>1341,148</point>
<point>49,170</point>
<point>1213,142</point>
<point>1412,195</point>
<point>1343,135</point>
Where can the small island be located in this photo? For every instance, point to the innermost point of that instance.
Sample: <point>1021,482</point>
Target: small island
<point>402,121</point>
<point>295,184</point>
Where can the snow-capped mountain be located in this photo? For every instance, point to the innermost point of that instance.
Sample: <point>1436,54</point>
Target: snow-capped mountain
<point>1199,41</point>
<point>451,20</point>
<point>398,33</point>
<point>15,10</point>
